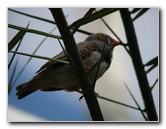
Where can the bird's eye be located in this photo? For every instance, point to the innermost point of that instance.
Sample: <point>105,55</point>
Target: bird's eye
<point>108,40</point>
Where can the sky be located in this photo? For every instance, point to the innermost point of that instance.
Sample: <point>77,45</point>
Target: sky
<point>64,106</point>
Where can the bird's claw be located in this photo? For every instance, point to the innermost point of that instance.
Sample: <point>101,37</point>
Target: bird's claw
<point>87,67</point>
<point>82,96</point>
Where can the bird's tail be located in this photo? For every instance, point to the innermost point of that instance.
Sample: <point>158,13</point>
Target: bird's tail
<point>25,89</point>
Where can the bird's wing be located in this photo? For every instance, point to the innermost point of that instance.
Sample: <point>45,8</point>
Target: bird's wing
<point>60,56</point>
<point>84,48</point>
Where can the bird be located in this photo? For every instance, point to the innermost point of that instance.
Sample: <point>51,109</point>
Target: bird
<point>96,52</point>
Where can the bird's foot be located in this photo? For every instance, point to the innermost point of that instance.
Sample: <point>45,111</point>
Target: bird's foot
<point>87,67</point>
<point>82,96</point>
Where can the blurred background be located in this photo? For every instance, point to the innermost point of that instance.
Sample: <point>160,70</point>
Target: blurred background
<point>65,106</point>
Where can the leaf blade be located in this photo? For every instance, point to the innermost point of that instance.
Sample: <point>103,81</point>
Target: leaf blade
<point>152,61</point>
<point>32,16</point>
<point>16,38</point>
<point>34,31</point>
<point>10,86</point>
<point>40,57</point>
<point>92,17</point>
<point>140,13</point>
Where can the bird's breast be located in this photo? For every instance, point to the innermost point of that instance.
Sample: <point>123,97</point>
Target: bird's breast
<point>94,60</point>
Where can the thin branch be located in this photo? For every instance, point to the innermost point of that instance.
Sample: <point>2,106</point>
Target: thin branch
<point>151,68</point>
<point>123,44</point>
<point>138,65</point>
<point>153,61</point>
<point>110,100</point>
<point>142,112</point>
<point>151,88</point>
<point>112,31</point>
<point>140,13</point>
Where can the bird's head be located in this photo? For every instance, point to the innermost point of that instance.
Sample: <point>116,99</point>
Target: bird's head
<point>103,38</point>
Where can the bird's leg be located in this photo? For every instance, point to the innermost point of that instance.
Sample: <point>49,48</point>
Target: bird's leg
<point>79,91</point>
<point>87,67</point>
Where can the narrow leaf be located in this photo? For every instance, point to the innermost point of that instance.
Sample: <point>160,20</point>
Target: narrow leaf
<point>153,61</point>
<point>21,37</point>
<point>40,57</point>
<point>136,102</point>
<point>34,31</point>
<point>84,32</point>
<point>31,57</point>
<point>109,28</point>
<point>135,10</point>
<point>10,86</point>
<point>90,11</point>
<point>151,68</point>
<point>151,88</point>
<point>110,100</point>
<point>14,55</point>
<point>140,13</point>
<point>16,38</point>
<point>92,17</point>
<point>32,16</point>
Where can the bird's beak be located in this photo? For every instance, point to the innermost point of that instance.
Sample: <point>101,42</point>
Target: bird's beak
<point>114,42</point>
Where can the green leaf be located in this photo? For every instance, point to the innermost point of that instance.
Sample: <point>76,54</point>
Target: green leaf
<point>140,13</point>
<point>151,68</point>
<point>41,57</point>
<point>16,38</point>
<point>90,11</point>
<point>84,32</point>
<point>10,86</point>
<point>32,16</point>
<point>40,44</point>
<point>14,55</point>
<point>135,10</point>
<point>153,61</point>
<point>114,101</point>
<point>92,17</point>
<point>111,30</point>
<point>34,31</point>
<point>135,101</point>
<point>21,37</point>
<point>151,88</point>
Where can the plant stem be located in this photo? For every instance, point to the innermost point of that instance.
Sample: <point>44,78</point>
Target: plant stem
<point>72,51</point>
<point>138,65</point>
